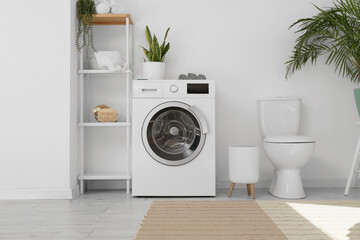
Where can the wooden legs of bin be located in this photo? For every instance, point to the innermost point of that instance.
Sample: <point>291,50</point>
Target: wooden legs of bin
<point>250,189</point>
<point>232,185</point>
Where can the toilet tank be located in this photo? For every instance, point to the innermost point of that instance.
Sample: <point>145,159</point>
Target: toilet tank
<point>279,116</point>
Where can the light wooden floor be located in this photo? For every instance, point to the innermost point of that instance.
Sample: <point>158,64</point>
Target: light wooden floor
<point>105,215</point>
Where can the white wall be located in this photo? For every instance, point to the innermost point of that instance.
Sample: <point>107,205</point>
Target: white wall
<point>243,45</point>
<point>35,97</point>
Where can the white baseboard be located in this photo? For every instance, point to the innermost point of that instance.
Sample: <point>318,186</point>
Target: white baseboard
<point>308,183</point>
<point>71,193</point>
<point>224,183</point>
<point>53,193</point>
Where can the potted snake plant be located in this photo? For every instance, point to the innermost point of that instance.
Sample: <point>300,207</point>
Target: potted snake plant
<point>334,31</point>
<point>154,66</point>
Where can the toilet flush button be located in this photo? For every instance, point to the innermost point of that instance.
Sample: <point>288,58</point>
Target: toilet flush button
<point>174,88</point>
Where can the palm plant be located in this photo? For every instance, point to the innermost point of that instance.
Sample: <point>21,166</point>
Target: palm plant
<point>156,53</point>
<point>334,31</point>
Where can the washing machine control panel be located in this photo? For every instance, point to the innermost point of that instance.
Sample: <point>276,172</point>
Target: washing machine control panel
<point>173,89</point>
<point>190,88</point>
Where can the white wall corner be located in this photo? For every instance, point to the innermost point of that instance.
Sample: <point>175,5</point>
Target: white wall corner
<point>75,191</point>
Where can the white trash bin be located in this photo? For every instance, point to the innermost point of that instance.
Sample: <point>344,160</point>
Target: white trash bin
<point>244,167</point>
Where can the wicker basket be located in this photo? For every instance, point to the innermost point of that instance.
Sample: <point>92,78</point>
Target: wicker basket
<point>104,113</point>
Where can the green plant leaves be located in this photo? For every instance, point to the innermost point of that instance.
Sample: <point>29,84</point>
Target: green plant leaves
<point>146,52</point>
<point>148,35</point>
<point>156,53</point>
<point>166,49</point>
<point>156,50</point>
<point>162,47</point>
<point>85,11</point>
<point>166,34</point>
<point>334,31</point>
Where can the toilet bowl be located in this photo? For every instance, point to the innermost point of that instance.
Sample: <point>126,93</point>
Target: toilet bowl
<point>288,155</point>
<point>279,121</point>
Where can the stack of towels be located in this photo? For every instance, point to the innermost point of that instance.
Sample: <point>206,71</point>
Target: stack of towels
<point>109,6</point>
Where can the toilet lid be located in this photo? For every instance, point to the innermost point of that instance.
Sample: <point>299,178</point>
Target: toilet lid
<point>289,139</point>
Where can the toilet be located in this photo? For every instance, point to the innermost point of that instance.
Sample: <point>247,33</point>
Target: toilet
<point>279,120</point>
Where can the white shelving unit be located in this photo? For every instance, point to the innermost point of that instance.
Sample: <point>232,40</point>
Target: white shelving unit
<point>92,71</point>
<point>106,19</point>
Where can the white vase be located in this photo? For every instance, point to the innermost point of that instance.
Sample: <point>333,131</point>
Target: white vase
<point>154,70</point>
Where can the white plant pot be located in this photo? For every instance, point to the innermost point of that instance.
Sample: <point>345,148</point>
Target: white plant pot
<point>154,70</point>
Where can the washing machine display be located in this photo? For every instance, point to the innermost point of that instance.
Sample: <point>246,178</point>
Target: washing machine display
<point>173,133</point>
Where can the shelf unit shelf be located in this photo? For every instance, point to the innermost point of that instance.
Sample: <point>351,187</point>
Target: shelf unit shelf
<point>104,176</point>
<point>84,74</point>
<point>94,71</point>
<point>111,19</point>
<point>105,124</point>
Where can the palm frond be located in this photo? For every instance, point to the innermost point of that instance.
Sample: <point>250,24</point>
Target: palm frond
<point>334,31</point>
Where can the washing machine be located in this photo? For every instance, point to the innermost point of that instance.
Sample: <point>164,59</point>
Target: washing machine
<point>173,138</point>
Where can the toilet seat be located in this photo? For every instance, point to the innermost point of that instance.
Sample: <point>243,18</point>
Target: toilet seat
<point>289,139</point>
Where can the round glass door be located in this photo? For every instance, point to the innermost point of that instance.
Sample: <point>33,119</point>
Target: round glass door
<point>172,134</point>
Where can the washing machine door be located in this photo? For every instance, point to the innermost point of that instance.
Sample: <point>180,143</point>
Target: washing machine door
<point>174,133</point>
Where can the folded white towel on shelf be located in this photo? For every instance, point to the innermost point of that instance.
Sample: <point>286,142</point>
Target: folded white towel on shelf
<point>109,60</point>
<point>117,9</point>
<point>102,7</point>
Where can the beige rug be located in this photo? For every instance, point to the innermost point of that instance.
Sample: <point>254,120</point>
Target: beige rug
<point>266,220</point>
